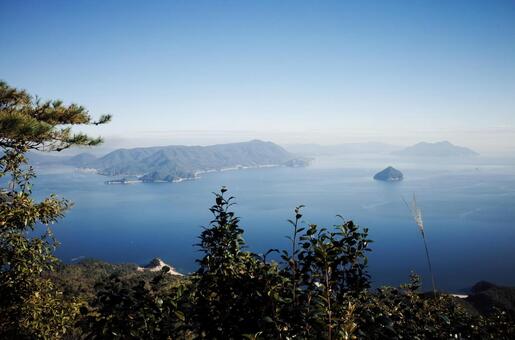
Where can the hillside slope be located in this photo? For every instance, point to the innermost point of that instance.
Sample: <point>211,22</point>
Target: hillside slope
<point>177,161</point>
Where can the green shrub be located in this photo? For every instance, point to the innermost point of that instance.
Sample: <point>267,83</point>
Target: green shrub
<point>146,310</point>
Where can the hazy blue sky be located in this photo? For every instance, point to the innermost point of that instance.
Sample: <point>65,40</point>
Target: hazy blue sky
<point>289,71</point>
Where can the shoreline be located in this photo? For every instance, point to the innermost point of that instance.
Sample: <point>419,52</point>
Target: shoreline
<point>196,174</point>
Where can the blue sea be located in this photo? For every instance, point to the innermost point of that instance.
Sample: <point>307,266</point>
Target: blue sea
<point>468,211</point>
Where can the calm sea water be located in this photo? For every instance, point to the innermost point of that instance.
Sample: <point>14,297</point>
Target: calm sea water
<point>469,213</point>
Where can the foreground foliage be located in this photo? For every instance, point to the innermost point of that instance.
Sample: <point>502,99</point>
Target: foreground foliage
<point>30,306</point>
<point>319,288</point>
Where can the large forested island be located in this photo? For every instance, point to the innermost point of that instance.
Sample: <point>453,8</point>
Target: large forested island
<point>179,162</point>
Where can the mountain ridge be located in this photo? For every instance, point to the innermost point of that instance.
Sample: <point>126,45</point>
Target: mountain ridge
<point>437,149</point>
<point>176,162</point>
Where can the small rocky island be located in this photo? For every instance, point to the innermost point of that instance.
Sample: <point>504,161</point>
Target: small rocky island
<point>390,174</point>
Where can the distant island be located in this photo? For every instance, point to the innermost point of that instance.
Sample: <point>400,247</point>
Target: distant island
<point>177,163</point>
<point>390,174</point>
<point>439,149</point>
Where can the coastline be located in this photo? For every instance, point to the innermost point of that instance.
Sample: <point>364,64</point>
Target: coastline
<point>196,174</point>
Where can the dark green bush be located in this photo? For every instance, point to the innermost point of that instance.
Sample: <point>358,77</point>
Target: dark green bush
<point>146,310</point>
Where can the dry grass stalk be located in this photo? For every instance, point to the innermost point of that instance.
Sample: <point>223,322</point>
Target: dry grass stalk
<point>417,216</point>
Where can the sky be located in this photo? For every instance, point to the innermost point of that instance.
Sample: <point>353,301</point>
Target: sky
<point>327,72</point>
